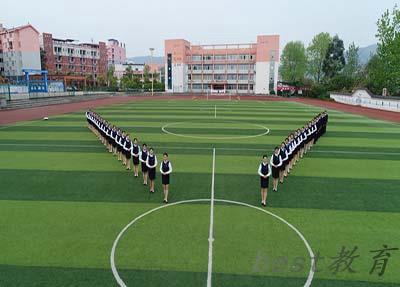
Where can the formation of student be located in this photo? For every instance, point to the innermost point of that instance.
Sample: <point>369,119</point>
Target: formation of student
<point>123,148</point>
<point>287,155</point>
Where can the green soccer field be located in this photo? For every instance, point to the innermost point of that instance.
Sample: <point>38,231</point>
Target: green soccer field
<point>64,199</point>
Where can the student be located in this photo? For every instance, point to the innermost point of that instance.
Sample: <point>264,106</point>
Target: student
<point>284,156</point>
<point>151,163</point>
<point>127,152</point>
<point>143,159</point>
<point>135,156</point>
<point>165,170</point>
<point>276,162</point>
<point>264,171</point>
<point>287,148</point>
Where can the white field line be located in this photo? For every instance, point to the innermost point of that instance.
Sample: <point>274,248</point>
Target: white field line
<point>130,224</point>
<point>206,148</point>
<point>164,129</point>
<point>211,231</point>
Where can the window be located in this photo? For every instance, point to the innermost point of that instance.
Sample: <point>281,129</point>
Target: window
<point>218,77</point>
<point>207,67</point>
<point>196,86</point>
<point>232,77</point>
<point>207,57</point>
<point>219,67</point>
<point>196,58</point>
<point>231,87</point>
<point>242,87</point>
<point>232,57</point>
<point>232,67</point>
<point>243,67</point>
<point>207,77</point>
<point>196,67</point>
<point>243,77</point>
<point>220,57</point>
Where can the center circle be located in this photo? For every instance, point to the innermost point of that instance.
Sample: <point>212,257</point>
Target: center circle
<point>121,282</point>
<point>208,130</point>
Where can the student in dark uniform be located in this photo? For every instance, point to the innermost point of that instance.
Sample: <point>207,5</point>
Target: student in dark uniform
<point>135,156</point>
<point>143,159</point>
<point>264,171</point>
<point>151,163</point>
<point>287,148</point>
<point>127,153</point>
<point>165,170</point>
<point>284,157</point>
<point>276,162</point>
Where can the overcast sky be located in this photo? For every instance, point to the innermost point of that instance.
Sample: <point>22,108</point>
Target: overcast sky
<point>146,23</point>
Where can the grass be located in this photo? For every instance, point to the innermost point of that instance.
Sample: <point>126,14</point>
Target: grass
<point>64,199</point>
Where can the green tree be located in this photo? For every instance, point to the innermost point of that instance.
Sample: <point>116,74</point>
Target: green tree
<point>389,49</point>
<point>293,62</point>
<point>316,53</point>
<point>352,67</point>
<point>146,73</point>
<point>334,59</point>
<point>375,78</point>
<point>112,81</point>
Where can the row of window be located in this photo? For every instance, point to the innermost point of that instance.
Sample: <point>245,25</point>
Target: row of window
<point>72,60</point>
<point>234,57</point>
<point>71,51</point>
<point>221,77</point>
<point>242,87</point>
<point>221,67</point>
<point>72,68</point>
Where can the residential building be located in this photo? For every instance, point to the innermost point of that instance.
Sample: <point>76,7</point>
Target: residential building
<point>116,53</point>
<point>68,57</point>
<point>19,49</point>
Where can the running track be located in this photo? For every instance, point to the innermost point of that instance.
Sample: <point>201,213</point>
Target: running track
<point>12,116</point>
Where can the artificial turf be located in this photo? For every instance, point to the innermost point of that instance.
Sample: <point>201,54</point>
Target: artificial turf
<point>64,199</point>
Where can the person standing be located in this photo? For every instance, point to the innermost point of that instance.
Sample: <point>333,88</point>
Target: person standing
<point>143,158</point>
<point>264,171</point>
<point>276,162</point>
<point>151,163</point>
<point>165,170</point>
<point>127,152</point>
<point>135,156</point>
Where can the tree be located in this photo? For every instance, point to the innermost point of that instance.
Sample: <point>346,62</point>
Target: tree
<point>389,49</point>
<point>375,77</point>
<point>146,72</point>
<point>352,67</point>
<point>111,79</point>
<point>293,62</point>
<point>316,53</point>
<point>334,59</point>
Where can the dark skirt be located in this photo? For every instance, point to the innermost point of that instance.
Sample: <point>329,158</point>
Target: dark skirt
<point>284,164</point>
<point>165,179</point>
<point>127,154</point>
<point>275,172</point>
<point>264,182</point>
<point>135,160</point>
<point>144,167</point>
<point>152,173</point>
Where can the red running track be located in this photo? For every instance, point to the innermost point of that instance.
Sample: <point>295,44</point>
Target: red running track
<point>12,116</point>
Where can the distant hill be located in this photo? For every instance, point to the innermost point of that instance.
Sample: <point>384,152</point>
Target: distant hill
<point>364,54</point>
<point>146,60</point>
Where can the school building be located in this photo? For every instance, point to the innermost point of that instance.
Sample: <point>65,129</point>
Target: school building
<point>224,68</point>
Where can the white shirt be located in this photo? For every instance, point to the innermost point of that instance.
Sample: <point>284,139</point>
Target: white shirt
<point>155,161</point>
<point>272,163</point>
<point>169,168</point>
<point>259,170</point>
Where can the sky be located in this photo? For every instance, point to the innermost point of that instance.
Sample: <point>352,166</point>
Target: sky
<point>142,24</point>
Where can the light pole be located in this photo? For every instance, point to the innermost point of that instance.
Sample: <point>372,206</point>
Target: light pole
<point>152,75</point>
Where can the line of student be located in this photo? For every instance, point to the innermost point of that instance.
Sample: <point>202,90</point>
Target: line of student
<point>291,150</point>
<point>120,145</point>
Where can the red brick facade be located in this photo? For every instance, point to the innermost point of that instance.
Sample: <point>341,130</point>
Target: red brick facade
<point>63,57</point>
